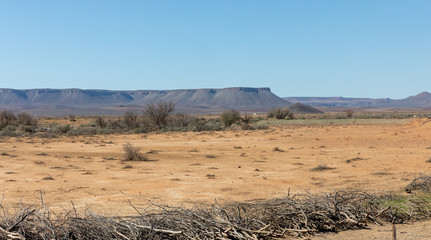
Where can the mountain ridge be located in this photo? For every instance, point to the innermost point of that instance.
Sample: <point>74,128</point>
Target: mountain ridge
<point>421,100</point>
<point>204,99</point>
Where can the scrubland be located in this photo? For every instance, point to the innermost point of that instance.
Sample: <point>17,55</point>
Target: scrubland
<point>379,157</point>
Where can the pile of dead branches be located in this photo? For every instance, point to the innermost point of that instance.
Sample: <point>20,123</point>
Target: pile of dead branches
<point>421,183</point>
<point>297,215</point>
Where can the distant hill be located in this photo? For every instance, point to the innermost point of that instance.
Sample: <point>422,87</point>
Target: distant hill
<point>299,108</point>
<point>422,100</point>
<point>79,101</point>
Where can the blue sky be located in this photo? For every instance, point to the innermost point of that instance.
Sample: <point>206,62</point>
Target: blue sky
<point>297,48</point>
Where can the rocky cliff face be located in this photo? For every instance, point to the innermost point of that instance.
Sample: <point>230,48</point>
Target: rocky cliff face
<point>239,98</point>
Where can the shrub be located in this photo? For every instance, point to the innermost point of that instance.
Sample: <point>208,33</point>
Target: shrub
<point>7,118</point>
<point>247,127</point>
<point>349,113</point>
<point>421,183</point>
<point>277,149</point>
<point>80,131</point>
<point>180,120</point>
<point>321,168</point>
<point>132,153</point>
<point>262,127</point>
<point>72,118</point>
<point>63,129</point>
<point>26,128</point>
<point>116,125</point>
<point>280,113</point>
<point>9,130</point>
<point>101,122</point>
<point>246,119</point>
<point>131,120</point>
<point>230,117</point>
<point>26,119</point>
<point>156,114</point>
<point>185,122</point>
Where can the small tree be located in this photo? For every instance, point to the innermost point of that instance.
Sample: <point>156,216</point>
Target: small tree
<point>156,114</point>
<point>230,117</point>
<point>131,120</point>
<point>280,113</point>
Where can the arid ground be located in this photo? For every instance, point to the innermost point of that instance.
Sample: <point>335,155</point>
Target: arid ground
<point>234,165</point>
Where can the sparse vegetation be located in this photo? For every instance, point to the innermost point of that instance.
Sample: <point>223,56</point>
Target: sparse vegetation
<point>300,214</point>
<point>185,122</point>
<point>63,129</point>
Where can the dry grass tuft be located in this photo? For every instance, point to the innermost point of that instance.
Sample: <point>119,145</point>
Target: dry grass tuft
<point>277,149</point>
<point>354,159</point>
<point>132,153</point>
<point>321,168</point>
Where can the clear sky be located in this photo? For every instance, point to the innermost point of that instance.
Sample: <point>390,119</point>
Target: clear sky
<point>364,48</point>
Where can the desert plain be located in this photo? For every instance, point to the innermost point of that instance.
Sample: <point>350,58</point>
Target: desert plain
<point>186,168</point>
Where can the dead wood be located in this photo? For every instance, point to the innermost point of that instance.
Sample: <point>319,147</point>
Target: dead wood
<point>297,215</point>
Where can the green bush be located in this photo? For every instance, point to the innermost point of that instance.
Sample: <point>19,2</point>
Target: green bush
<point>230,117</point>
<point>280,113</point>
<point>116,125</point>
<point>63,128</point>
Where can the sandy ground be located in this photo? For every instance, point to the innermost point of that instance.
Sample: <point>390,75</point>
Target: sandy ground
<point>207,166</point>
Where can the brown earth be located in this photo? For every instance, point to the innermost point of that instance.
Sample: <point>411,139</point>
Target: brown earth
<point>207,166</point>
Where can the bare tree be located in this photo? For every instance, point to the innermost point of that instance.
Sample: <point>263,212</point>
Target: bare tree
<point>131,119</point>
<point>156,114</point>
